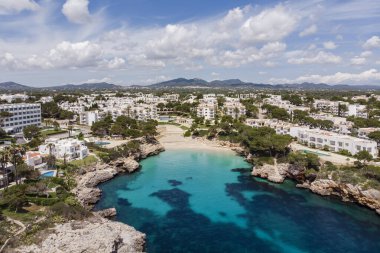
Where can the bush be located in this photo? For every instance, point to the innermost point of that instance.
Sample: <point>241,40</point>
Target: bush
<point>43,201</point>
<point>187,133</point>
<point>76,212</point>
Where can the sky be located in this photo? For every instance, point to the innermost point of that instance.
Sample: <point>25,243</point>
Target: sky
<point>140,42</point>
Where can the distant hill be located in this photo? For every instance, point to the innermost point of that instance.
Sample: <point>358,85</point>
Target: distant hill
<point>236,83</point>
<point>189,83</point>
<point>12,86</point>
<point>86,86</point>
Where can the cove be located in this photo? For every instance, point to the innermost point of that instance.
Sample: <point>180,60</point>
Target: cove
<point>207,201</point>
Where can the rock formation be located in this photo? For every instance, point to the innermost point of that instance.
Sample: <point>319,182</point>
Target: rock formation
<point>95,235</point>
<point>274,173</point>
<point>325,187</point>
<point>348,192</point>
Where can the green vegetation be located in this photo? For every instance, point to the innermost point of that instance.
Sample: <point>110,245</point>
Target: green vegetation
<point>107,155</point>
<point>51,110</point>
<point>89,160</point>
<point>125,127</point>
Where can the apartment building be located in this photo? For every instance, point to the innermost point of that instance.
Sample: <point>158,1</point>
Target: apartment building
<point>69,149</point>
<point>333,141</point>
<point>365,131</point>
<point>358,110</point>
<point>234,109</point>
<point>206,111</point>
<point>88,118</point>
<point>281,127</point>
<point>22,115</point>
<point>331,106</point>
<point>11,97</point>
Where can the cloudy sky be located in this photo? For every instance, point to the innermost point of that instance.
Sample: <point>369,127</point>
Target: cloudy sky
<point>52,42</point>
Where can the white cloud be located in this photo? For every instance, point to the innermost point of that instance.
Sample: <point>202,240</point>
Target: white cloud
<point>308,31</point>
<point>366,54</point>
<point>116,63</point>
<point>269,25</point>
<point>233,17</point>
<point>15,6</point>
<point>8,61</point>
<point>358,60</point>
<point>372,42</point>
<point>76,11</point>
<point>95,80</point>
<point>81,54</point>
<point>337,78</point>
<point>329,45</point>
<point>238,57</point>
<point>321,57</point>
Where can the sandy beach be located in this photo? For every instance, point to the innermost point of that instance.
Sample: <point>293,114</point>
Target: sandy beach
<point>171,137</point>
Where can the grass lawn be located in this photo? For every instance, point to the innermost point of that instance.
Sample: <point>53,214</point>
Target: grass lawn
<point>52,131</point>
<point>86,161</point>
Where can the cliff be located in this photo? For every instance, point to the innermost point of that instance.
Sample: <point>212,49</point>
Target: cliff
<point>95,235</point>
<point>325,187</point>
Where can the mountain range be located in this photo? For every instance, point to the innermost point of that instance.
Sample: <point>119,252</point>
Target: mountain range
<point>236,83</point>
<point>188,83</point>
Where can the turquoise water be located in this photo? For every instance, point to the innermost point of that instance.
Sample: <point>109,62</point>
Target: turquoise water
<point>202,201</point>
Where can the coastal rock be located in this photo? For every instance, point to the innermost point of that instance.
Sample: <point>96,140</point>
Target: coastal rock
<point>107,213</point>
<point>125,165</point>
<point>149,149</point>
<point>274,173</point>
<point>348,192</point>
<point>97,235</point>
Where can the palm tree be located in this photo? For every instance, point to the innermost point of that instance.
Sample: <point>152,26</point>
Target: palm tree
<point>4,159</point>
<point>70,128</point>
<point>51,159</point>
<point>16,153</point>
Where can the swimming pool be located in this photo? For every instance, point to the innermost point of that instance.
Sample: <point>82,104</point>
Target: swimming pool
<point>314,152</point>
<point>48,174</point>
<point>102,143</point>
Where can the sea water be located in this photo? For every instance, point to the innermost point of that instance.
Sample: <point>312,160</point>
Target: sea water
<point>207,201</point>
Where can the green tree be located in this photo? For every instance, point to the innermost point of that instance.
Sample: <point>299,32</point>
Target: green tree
<point>31,131</point>
<point>363,157</point>
<point>375,136</point>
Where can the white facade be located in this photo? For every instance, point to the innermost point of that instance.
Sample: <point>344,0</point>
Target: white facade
<point>88,118</point>
<point>67,148</point>
<point>334,142</point>
<point>22,115</point>
<point>234,109</point>
<point>206,111</point>
<point>330,106</point>
<point>357,111</point>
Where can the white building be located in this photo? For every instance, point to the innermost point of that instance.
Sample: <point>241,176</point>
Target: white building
<point>234,109</point>
<point>22,115</point>
<point>331,106</point>
<point>11,97</point>
<point>206,111</point>
<point>70,149</point>
<point>88,118</point>
<point>281,127</point>
<point>364,132</point>
<point>333,141</point>
<point>34,159</point>
<point>357,110</point>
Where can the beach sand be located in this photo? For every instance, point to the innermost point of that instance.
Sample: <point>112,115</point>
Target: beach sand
<point>171,137</point>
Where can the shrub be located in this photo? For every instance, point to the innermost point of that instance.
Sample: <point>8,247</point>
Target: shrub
<point>76,212</point>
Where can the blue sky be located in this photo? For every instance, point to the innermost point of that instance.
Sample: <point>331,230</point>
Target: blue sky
<point>52,42</point>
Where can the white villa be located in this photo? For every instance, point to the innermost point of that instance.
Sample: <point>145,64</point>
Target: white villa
<point>70,149</point>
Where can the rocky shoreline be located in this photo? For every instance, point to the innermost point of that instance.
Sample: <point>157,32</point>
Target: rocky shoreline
<point>98,233</point>
<point>326,187</point>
